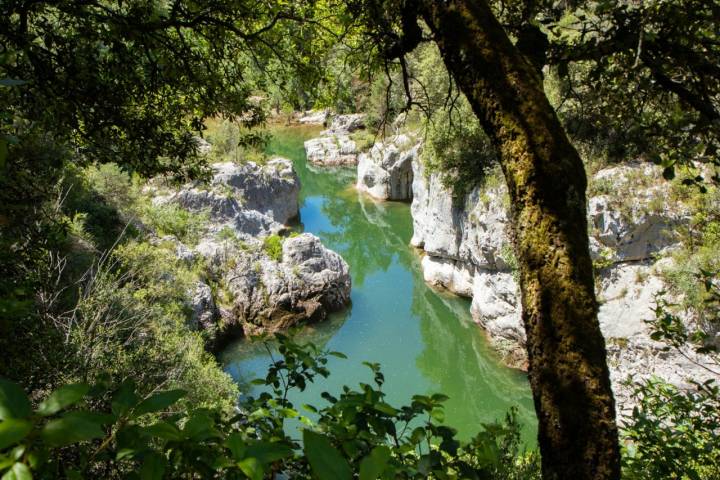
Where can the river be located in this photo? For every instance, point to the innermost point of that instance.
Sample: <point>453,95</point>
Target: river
<point>425,340</point>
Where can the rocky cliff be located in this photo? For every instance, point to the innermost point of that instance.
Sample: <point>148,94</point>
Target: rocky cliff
<point>386,171</point>
<point>467,250</point>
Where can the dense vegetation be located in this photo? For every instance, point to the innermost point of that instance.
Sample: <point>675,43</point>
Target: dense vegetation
<point>93,318</point>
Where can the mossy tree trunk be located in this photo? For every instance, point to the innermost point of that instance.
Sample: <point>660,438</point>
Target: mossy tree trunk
<point>567,366</point>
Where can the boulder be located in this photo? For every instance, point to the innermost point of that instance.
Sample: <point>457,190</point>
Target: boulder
<point>386,172</point>
<point>346,123</point>
<point>271,189</point>
<point>250,199</point>
<point>204,312</point>
<point>309,282</point>
<point>314,117</point>
<point>332,150</point>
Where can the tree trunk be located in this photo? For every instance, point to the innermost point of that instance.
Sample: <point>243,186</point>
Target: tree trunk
<point>567,368</point>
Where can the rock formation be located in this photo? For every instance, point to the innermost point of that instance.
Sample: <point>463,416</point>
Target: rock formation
<point>467,250</point>
<point>334,146</point>
<point>386,171</point>
<point>306,284</point>
<point>246,207</point>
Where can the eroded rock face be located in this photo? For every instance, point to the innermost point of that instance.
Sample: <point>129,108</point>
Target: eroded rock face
<point>271,189</point>
<point>308,283</point>
<point>474,232</point>
<point>467,250</point>
<point>346,123</point>
<point>250,199</point>
<point>386,171</point>
<point>204,311</point>
<point>334,146</point>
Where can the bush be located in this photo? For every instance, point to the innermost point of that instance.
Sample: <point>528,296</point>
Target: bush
<point>171,219</point>
<point>81,431</point>
<point>672,433</point>
<point>232,142</point>
<point>272,245</point>
<point>132,321</point>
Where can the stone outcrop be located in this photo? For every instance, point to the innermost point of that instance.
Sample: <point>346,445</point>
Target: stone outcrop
<point>204,311</point>
<point>386,171</point>
<point>334,147</point>
<point>307,283</point>
<point>467,250</point>
<point>250,199</point>
<point>314,117</point>
<point>243,205</point>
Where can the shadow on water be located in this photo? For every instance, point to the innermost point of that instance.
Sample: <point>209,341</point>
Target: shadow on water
<point>425,340</point>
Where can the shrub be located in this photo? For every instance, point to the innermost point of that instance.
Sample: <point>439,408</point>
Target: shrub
<point>272,245</point>
<point>672,433</point>
<point>82,430</point>
<point>171,219</point>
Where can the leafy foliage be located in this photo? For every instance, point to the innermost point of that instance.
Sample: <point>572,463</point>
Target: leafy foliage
<point>673,433</point>
<point>80,431</point>
<point>272,244</point>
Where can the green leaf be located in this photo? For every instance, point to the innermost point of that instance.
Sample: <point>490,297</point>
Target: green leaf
<point>252,468</point>
<point>199,427</point>
<point>236,445</point>
<point>326,462</point>
<point>19,471</point>
<point>268,452</point>
<point>63,397</point>
<point>125,398</point>
<point>338,355</point>
<point>153,467</point>
<point>372,466</point>
<point>74,427</point>
<point>158,402</point>
<point>386,408</point>
<point>165,430</point>
<point>438,414</point>
<point>13,401</point>
<point>12,431</point>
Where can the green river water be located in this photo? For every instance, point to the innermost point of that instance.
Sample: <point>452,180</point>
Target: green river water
<point>425,340</point>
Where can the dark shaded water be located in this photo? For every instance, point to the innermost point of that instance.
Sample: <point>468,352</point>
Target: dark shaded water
<point>425,340</point>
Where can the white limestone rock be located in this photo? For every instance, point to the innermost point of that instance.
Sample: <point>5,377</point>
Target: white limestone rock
<point>308,283</point>
<point>454,276</point>
<point>332,150</point>
<point>314,117</point>
<point>386,172</point>
<point>475,232</point>
<point>334,147</point>
<point>204,310</point>
<point>467,249</point>
<point>347,123</point>
<point>271,189</point>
